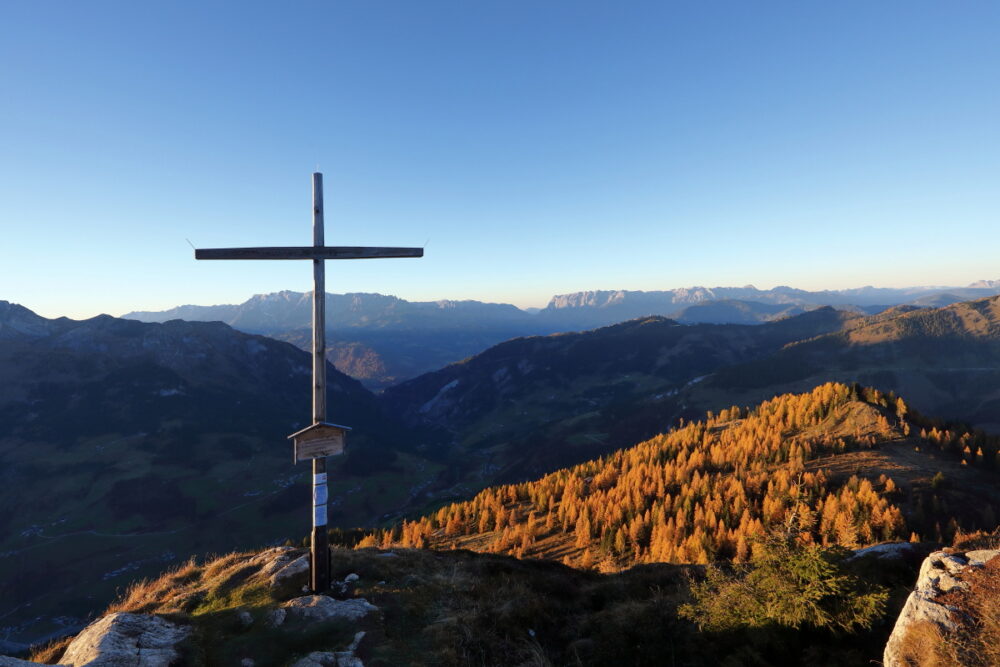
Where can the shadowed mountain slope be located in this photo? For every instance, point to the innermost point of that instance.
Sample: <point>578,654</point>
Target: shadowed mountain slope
<point>945,361</point>
<point>531,405</point>
<point>126,444</point>
<point>734,311</point>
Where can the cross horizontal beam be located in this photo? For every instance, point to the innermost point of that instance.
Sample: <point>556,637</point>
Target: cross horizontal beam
<point>306,252</point>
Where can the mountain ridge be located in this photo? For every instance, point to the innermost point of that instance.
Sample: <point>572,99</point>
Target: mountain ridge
<point>597,299</point>
<point>947,360</point>
<point>383,340</point>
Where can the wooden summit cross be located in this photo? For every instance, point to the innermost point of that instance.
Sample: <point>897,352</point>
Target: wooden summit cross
<point>320,439</point>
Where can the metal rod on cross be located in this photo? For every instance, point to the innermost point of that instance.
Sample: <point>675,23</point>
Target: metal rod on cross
<point>322,438</point>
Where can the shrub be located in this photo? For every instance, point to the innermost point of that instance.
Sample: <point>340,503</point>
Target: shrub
<point>788,584</point>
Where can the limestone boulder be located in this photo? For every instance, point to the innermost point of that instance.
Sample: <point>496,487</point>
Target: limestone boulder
<point>981,556</point>
<point>288,577</point>
<point>940,573</point>
<point>271,560</point>
<point>127,640</point>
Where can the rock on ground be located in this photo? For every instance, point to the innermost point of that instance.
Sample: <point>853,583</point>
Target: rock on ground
<point>280,570</point>
<point>275,617</point>
<point>322,608</point>
<point>939,573</point>
<point>334,659</point>
<point>273,559</point>
<point>126,640</point>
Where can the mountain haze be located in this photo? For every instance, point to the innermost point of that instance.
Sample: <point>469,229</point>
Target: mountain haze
<point>282,311</point>
<point>383,340</point>
<point>608,306</point>
<point>376,338</point>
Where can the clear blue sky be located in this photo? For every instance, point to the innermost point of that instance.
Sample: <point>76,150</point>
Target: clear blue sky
<point>541,147</point>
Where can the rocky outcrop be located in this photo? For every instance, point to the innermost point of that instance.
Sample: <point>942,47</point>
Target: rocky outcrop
<point>126,640</point>
<point>319,608</point>
<point>940,573</point>
<point>323,608</point>
<point>286,570</point>
<point>274,559</point>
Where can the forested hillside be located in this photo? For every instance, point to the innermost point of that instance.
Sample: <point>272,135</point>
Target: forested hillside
<point>853,465</point>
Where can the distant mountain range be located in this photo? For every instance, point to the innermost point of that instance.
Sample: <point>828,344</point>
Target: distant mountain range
<point>383,340</point>
<point>284,311</point>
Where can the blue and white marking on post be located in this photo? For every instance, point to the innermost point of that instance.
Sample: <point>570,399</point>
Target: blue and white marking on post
<point>319,499</point>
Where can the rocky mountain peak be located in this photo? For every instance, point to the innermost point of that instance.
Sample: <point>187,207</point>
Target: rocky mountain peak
<point>16,321</point>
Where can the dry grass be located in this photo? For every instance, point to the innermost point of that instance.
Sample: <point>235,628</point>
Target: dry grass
<point>50,652</point>
<point>978,640</point>
<point>163,594</point>
<point>976,643</point>
<point>191,588</point>
<point>923,645</point>
<point>187,588</point>
<point>977,540</point>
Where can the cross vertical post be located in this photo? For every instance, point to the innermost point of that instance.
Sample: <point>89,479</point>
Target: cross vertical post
<point>321,439</point>
<point>320,541</point>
